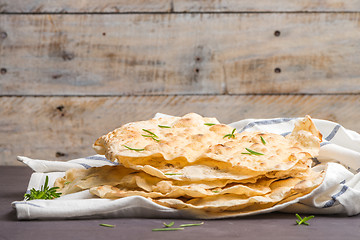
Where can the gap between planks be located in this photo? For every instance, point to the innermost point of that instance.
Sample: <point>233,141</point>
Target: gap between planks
<point>169,95</point>
<point>175,12</point>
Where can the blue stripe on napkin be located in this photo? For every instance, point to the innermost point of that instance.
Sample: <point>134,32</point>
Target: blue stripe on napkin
<point>331,202</point>
<point>85,165</point>
<point>101,158</point>
<point>266,122</point>
<point>333,133</point>
<point>28,203</point>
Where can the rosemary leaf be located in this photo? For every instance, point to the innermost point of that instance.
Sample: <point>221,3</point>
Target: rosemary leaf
<point>107,225</point>
<point>263,140</point>
<point>150,136</point>
<point>146,135</point>
<point>151,133</point>
<point>135,149</point>
<point>169,224</point>
<point>303,220</point>
<point>191,224</point>
<point>309,217</point>
<point>227,135</point>
<point>230,135</point>
<point>166,229</point>
<point>162,126</point>
<point>209,124</point>
<point>252,152</point>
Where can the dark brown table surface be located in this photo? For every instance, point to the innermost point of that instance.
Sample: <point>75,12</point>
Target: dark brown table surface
<point>14,180</point>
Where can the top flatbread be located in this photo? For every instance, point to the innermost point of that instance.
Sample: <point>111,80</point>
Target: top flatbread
<point>186,137</point>
<point>189,148</point>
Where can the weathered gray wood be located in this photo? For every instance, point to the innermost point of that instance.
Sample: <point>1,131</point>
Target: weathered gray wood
<point>150,54</point>
<point>265,5</point>
<point>65,128</point>
<point>88,6</point>
<point>39,6</point>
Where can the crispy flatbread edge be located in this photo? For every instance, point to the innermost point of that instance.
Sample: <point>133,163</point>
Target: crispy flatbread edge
<point>198,214</point>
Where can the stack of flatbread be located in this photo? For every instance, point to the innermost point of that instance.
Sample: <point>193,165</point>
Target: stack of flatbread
<point>194,162</point>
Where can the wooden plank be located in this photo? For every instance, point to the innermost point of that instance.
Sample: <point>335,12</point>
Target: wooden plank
<point>266,6</point>
<point>120,6</point>
<point>88,6</point>
<point>152,54</point>
<point>65,128</point>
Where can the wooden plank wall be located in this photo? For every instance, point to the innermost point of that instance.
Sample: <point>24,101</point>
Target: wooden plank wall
<point>71,71</point>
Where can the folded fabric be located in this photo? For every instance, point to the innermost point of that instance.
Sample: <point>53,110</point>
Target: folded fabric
<point>338,194</point>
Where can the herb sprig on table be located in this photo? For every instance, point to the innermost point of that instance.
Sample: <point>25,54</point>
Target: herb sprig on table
<point>191,224</point>
<point>106,225</point>
<point>44,193</point>
<point>303,220</point>
<point>168,226</point>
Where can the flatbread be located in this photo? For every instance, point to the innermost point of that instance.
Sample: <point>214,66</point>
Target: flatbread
<point>192,150</point>
<point>196,163</point>
<point>280,190</point>
<point>166,189</point>
<point>130,182</point>
<point>181,140</point>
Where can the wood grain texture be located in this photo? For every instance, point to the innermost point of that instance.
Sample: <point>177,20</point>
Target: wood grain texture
<point>88,6</point>
<point>120,6</point>
<point>265,5</point>
<point>152,54</point>
<point>65,128</point>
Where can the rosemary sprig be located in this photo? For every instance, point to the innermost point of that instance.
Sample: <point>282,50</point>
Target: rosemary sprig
<point>209,124</point>
<point>44,193</point>
<point>135,149</point>
<point>152,135</point>
<point>163,126</point>
<point>252,152</point>
<point>303,220</point>
<point>107,225</point>
<point>169,224</point>
<point>191,224</point>
<point>263,140</point>
<point>66,183</point>
<point>230,135</point>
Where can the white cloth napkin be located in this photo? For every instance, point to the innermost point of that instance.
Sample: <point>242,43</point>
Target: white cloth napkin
<point>338,194</point>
